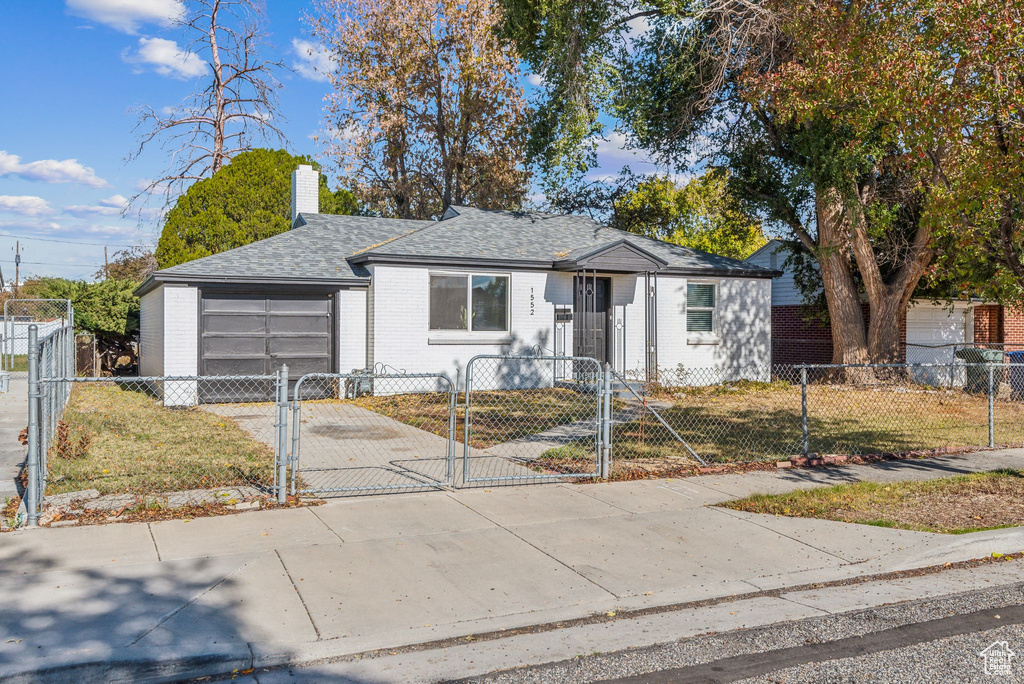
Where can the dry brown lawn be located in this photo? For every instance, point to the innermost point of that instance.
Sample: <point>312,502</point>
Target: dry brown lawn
<point>953,505</point>
<point>120,440</point>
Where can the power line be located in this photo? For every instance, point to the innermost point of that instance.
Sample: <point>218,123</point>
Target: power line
<point>68,242</point>
<point>51,263</point>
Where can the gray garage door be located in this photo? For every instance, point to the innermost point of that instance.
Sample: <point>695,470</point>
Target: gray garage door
<point>256,335</point>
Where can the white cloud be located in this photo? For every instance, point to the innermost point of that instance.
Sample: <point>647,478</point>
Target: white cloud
<point>49,170</point>
<point>166,58</point>
<point>111,206</point>
<point>536,80</point>
<point>15,224</point>
<point>26,205</point>
<point>314,62</point>
<point>128,15</point>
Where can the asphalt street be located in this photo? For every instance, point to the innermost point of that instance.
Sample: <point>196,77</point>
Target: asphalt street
<point>930,640</point>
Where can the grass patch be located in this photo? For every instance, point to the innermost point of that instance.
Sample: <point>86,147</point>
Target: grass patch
<point>497,416</point>
<point>17,363</point>
<point>119,440</point>
<point>951,505</point>
<point>751,421</point>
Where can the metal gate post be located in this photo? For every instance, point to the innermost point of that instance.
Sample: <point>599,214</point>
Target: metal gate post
<point>32,487</point>
<point>453,400</point>
<point>606,423</point>
<point>296,421</point>
<point>991,407</point>
<point>803,411</point>
<point>282,435</point>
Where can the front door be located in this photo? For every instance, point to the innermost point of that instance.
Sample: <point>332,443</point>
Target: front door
<point>592,312</point>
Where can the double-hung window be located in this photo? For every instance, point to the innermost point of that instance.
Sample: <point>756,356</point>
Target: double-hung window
<point>701,303</point>
<point>469,302</point>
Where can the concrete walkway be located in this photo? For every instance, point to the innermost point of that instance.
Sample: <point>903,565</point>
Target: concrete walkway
<point>386,571</point>
<point>13,419</point>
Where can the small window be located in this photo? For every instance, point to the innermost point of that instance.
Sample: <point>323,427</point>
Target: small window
<point>701,299</point>
<point>473,303</point>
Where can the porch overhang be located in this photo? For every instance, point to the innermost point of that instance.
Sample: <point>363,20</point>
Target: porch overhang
<point>618,257</point>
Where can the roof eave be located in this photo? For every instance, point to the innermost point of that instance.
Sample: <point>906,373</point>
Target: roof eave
<point>419,260</point>
<point>157,279</point>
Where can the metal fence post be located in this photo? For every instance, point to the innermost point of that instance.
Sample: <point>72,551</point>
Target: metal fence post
<point>453,430</point>
<point>991,407</point>
<point>282,435</point>
<point>606,424</point>
<point>32,487</point>
<point>803,411</point>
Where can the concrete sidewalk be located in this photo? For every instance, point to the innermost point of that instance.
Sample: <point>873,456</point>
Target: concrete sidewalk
<point>212,594</point>
<point>13,419</point>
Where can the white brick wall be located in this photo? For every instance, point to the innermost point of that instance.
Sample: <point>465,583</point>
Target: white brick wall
<point>743,325</point>
<point>629,324</point>
<point>352,329</point>
<point>181,330</point>
<point>151,333</point>
<point>305,191</point>
<point>400,308</point>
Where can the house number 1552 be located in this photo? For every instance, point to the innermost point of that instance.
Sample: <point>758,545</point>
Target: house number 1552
<point>532,306</point>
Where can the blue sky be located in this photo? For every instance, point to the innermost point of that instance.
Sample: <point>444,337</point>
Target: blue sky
<point>73,70</point>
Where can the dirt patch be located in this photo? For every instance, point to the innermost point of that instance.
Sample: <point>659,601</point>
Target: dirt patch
<point>954,505</point>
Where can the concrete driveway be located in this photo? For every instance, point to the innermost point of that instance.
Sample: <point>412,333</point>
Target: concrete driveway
<point>345,449</point>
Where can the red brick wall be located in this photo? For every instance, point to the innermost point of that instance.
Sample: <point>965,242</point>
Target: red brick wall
<point>795,339</point>
<point>988,324</point>
<point>798,340</point>
<point>1012,328</point>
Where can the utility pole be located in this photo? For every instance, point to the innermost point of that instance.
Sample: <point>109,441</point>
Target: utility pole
<point>106,264</point>
<point>17,266</point>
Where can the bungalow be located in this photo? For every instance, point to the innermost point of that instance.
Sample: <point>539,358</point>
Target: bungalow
<point>339,293</point>
<point>930,331</point>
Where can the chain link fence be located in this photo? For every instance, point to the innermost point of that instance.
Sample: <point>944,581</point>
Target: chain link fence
<point>48,315</point>
<point>102,447</point>
<point>680,419</point>
<point>111,444</point>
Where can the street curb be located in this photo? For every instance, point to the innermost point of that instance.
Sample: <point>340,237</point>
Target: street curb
<point>177,663</point>
<point>127,664</point>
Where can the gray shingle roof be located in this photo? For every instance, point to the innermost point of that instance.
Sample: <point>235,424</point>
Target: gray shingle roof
<point>334,248</point>
<point>318,250</point>
<point>536,237</point>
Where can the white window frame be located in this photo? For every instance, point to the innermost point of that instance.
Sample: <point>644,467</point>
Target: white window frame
<point>468,275</point>
<point>699,336</point>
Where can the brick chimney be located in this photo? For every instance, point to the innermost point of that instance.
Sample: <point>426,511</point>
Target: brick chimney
<point>305,191</point>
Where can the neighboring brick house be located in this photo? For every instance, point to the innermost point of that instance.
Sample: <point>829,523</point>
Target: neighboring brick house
<point>929,332</point>
<point>338,293</point>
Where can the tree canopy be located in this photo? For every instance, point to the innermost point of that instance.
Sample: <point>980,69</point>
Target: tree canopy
<point>247,200</point>
<point>427,110</point>
<point>702,214</point>
<point>685,83</point>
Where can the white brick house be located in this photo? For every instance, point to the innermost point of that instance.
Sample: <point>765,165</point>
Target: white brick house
<point>338,293</point>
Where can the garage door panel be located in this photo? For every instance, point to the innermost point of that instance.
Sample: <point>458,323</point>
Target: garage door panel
<point>300,365</point>
<point>299,345</point>
<point>290,305</point>
<point>234,303</point>
<point>235,365</point>
<point>224,323</point>
<point>234,344</point>
<point>298,324</point>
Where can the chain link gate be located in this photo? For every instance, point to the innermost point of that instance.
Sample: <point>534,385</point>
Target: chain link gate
<point>531,419</point>
<point>372,432</point>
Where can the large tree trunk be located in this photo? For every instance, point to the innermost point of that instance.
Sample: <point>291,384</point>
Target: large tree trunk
<point>888,298</point>
<point>849,341</point>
